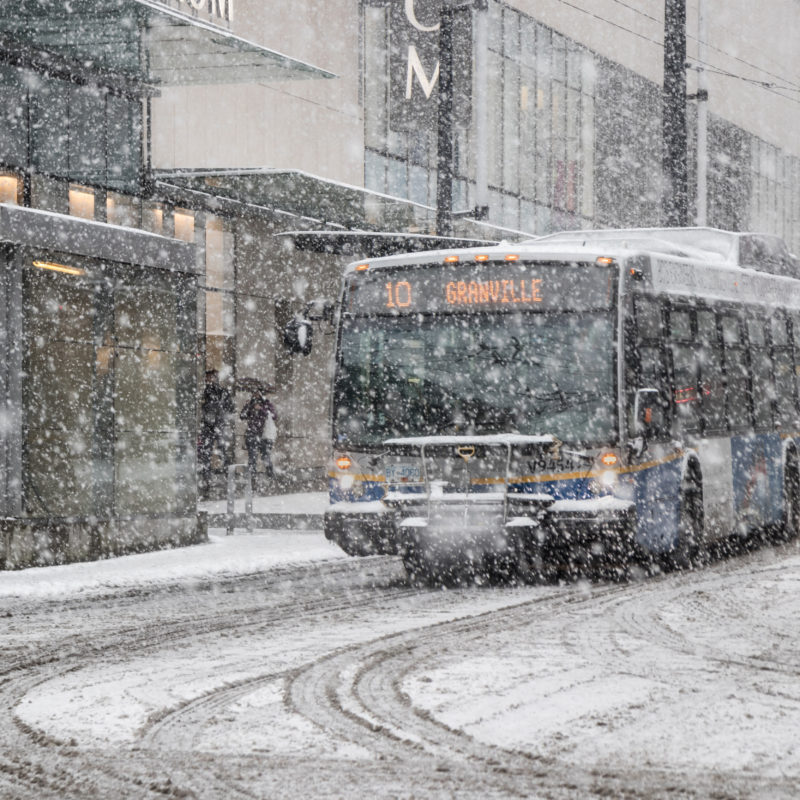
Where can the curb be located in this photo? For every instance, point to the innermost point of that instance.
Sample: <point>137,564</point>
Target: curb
<point>268,521</point>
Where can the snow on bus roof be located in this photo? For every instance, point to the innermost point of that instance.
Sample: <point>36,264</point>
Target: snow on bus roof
<point>576,245</point>
<point>487,439</point>
<point>763,252</point>
<point>703,243</point>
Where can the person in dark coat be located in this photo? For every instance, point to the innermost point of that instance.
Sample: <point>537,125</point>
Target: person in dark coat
<point>215,423</point>
<point>259,436</point>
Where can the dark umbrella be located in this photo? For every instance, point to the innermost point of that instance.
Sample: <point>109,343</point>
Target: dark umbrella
<point>253,385</point>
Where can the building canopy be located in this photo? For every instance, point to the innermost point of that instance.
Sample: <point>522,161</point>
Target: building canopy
<point>144,41</point>
<point>302,194</point>
<point>335,217</point>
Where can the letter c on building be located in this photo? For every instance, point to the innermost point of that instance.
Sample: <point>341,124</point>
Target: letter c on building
<point>411,15</point>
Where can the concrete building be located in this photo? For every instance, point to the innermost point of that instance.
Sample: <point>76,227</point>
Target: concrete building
<point>557,123</point>
<point>98,278</point>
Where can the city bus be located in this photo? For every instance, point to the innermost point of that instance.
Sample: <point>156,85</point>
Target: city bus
<point>586,398</point>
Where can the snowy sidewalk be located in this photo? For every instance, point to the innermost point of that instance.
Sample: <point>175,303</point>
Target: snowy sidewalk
<point>276,512</point>
<point>267,547</point>
<point>221,557</point>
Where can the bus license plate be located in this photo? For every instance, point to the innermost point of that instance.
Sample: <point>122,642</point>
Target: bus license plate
<point>403,473</point>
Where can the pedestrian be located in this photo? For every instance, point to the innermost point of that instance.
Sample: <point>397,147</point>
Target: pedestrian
<point>261,417</point>
<point>216,411</point>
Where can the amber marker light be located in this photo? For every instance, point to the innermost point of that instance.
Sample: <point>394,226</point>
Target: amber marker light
<point>344,462</point>
<point>53,267</point>
<point>362,267</point>
<point>482,257</point>
<point>512,257</point>
<point>605,260</point>
<point>451,259</point>
<point>609,459</point>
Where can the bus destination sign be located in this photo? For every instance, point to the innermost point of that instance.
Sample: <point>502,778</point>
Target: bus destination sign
<point>491,287</point>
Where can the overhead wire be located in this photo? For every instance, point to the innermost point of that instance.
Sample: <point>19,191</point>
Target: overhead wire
<point>770,86</point>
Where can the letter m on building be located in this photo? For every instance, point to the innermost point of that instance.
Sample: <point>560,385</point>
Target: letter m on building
<point>415,68</point>
<point>222,9</point>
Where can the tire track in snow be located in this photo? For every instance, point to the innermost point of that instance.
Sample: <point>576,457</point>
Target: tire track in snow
<point>35,763</point>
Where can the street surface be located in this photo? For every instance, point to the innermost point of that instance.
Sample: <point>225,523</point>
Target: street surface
<point>332,677</point>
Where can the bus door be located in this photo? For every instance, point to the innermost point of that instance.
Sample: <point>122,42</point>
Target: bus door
<point>713,443</point>
<point>757,449</point>
<point>653,459</point>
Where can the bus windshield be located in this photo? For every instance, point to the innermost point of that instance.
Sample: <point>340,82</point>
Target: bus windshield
<point>444,374</point>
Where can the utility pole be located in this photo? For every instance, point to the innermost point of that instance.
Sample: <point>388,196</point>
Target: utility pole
<point>444,146</point>
<point>702,115</point>
<point>481,109</point>
<point>676,198</point>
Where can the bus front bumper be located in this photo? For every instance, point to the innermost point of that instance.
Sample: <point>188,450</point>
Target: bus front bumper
<point>556,530</point>
<point>362,529</point>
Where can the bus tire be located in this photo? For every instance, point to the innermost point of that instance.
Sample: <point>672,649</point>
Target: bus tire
<point>791,497</point>
<point>689,551</point>
<point>530,565</point>
<point>416,564</point>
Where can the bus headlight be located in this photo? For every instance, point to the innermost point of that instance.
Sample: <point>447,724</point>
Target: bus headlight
<point>345,471</point>
<point>608,479</point>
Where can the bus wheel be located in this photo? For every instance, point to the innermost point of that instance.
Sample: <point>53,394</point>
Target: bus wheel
<point>416,563</point>
<point>689,550</point>
<point>791,498</point>
<point>529,565</point>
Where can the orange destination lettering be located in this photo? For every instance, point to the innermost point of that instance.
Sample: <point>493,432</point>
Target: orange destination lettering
<point>462,293</point>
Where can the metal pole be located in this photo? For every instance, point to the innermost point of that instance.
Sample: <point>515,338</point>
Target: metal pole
<point>444,148</point>
<point>230,514</point>
<point>481,109</point>
<point>702,115</point>
<point>676,200</point>
<point>248,501</point>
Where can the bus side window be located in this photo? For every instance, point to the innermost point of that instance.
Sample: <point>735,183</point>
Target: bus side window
<point>685,385</point>
<point>652,376</point>
<point>648,318</point>
<point>784,373</point>
<point>761,369</point>
<point>712,397</point>
<point>795,325</point>
<point>737,383</point>
<point>647,363</point>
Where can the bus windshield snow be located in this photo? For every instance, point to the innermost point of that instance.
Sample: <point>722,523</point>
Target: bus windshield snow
<point>439,374</point>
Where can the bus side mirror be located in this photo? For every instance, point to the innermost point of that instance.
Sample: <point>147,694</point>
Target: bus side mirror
<point>648,412</point>
<point>298,335</point>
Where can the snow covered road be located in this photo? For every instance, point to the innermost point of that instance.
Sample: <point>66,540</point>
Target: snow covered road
<point>272,666</point>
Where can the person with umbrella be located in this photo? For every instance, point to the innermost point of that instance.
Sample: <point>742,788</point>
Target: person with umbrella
<point>261,417</point>
<point>215,424</point>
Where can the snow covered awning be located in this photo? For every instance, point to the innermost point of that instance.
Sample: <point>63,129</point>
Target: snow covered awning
<point>329,204</point>
<point>373,244</point>
<point>145,41</point>
<point>336,217</point>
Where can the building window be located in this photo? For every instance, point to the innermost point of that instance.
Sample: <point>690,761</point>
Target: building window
<point>81,201</point>
<point>10,188</point>
<point>153,218</point>
<point>109,373</point>
<point>124,210</point>
<point>86,134</point>
<point>184,225</point>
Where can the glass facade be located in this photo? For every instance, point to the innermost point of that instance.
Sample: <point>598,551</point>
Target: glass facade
<point>108,388</point>
<point>89,134</point>
<point>540,143</point>
<point>573,141</point>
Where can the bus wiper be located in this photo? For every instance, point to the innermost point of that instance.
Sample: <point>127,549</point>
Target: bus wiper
<point>563,400</point>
